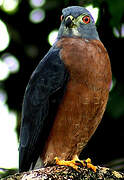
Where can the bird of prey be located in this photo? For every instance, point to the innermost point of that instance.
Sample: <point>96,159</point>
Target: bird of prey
<point>66,95</point>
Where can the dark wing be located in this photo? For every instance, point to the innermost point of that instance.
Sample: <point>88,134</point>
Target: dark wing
<point>42,97</point>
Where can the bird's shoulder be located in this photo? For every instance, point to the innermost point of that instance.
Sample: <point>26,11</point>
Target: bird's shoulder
<point>48,76</point>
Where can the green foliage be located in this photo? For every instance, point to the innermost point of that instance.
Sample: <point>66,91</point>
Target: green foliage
<point>116,10</point>
<point>6,172</point>
<point>115,105</point>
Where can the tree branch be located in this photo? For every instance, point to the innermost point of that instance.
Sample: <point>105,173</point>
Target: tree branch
<point>67,173</point>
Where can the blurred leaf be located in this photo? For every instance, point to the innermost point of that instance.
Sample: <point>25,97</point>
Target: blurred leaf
<point>115,105</point>
<point>116,9</point>
<point>116,164</point>
<point>6,172</point>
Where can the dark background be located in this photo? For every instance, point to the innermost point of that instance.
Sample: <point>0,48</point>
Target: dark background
<point>29,43</point>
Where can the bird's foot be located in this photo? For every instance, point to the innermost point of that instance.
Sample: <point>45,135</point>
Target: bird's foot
<point>86,163</point>
<point>67,163</point>
<point>76,163</point>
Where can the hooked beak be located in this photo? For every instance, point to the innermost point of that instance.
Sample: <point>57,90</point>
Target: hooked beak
<point>68,21</point>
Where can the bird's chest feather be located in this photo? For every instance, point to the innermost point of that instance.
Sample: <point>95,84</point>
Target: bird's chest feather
<point>87,62</point>
<point>87,90</point>
<point>85,98</point>
<point>90,77</point>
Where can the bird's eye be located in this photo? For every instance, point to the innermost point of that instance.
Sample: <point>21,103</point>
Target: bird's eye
<point>62,17</point>
<point>86,19</point>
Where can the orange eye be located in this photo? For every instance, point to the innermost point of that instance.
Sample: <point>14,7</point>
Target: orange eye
<point>62,17</point>
<point>86,19</point>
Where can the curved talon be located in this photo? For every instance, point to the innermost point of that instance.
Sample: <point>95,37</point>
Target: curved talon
<point>79,163</point>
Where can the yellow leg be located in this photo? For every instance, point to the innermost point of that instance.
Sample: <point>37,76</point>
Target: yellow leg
<point>76,163</point>
<point>67,163</point>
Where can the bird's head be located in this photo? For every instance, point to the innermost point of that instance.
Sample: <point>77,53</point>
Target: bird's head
<point>77,21</point>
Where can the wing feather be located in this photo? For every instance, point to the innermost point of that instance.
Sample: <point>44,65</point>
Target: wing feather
<point>42,96</point>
